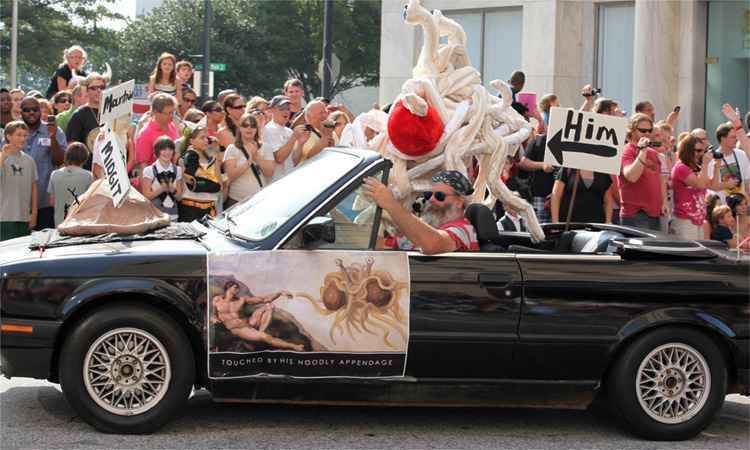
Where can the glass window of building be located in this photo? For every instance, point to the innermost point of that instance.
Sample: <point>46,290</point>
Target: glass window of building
<point>727,60</point>
<point>494,40</point>
<point>614,56</point>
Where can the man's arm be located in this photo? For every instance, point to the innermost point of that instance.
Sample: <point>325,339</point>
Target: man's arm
<point>588,102</point>
<point>282,153</point>
<point>733,117</point>
<point>633,171</point>
<point>429,239</point>
<point>57,144</point>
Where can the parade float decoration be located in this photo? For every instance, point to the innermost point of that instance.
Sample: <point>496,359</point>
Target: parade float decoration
<point>444,116</point>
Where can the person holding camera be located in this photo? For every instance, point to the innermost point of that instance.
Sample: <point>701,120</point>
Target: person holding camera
<point>320,128</point>
<point>734,166</point>
<point>282,144</point>
<point>690,179</point>
<point>162,180</point>
<point>642,195</point>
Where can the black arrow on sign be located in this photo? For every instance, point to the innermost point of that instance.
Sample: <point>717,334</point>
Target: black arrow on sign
<point>557,147</point>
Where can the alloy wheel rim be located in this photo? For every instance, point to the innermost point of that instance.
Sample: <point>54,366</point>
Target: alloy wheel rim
<point>673,383</point>
<point>127,371</point>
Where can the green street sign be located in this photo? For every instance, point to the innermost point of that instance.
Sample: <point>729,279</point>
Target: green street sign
<point>215,67</point>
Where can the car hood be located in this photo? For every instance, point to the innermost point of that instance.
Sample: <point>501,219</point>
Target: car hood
<point>17,250</point>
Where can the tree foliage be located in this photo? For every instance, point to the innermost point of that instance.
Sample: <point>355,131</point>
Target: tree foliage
<point>46,28</point>
<point>262,42</point>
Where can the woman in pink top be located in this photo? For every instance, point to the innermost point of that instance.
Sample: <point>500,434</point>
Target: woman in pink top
<point>689,181</point>
<point>641,187</point>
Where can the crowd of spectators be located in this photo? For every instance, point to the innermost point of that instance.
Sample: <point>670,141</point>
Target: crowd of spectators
<point>191,160</point>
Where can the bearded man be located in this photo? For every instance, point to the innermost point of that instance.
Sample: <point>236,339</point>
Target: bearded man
<point>442,227</point>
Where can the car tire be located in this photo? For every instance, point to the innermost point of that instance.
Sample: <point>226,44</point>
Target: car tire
<point>668,384</point>
<point>127,369</point>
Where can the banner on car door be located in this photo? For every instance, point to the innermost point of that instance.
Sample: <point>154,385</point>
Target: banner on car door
<point>308,314</point>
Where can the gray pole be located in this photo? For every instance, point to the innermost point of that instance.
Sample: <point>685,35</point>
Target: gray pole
<point>206,48</point>
<point>14,46</point>
<point>327,48</point>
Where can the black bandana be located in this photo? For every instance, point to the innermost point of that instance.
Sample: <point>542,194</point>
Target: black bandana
<point>454,179</point>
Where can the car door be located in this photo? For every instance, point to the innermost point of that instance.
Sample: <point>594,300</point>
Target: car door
<point>464,306</point>
<point>465,310</point>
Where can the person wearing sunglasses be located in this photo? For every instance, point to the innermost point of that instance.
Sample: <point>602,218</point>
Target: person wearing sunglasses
<point>234,107</point>
<point>62,101</point>
<point>442,227</point>
<point>46,145</point>
<point>690,178</point>
<point>84,123</point>
<point>642,193</point>
<point>189,98</point>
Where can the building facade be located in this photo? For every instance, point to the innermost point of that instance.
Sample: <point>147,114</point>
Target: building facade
<point>695,54</point>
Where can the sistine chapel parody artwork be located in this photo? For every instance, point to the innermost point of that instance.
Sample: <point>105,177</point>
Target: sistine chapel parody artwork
<point>308,315</point>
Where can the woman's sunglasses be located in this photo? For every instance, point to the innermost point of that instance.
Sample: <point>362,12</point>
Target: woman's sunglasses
<point>645,130</point>
<point>63,100</point>
<point>439,196</point>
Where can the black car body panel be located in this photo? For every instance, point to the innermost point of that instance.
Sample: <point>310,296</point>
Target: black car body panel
<point>476,318</point>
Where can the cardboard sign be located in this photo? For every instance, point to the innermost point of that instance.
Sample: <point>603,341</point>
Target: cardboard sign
<point>584,140</point>
<point>308,314</point>
<point>115,171</point>
<point>116,101</point>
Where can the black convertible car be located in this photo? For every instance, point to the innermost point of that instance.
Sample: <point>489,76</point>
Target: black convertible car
<point>656,327</point>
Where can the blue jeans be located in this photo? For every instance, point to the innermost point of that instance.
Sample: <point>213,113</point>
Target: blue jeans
<point>642,220</point>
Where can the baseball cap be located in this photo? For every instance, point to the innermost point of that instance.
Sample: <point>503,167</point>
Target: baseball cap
<point>279,100</point>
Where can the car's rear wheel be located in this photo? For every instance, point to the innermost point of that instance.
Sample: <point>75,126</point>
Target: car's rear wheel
<point>127,369</point>
<point>668,384</point>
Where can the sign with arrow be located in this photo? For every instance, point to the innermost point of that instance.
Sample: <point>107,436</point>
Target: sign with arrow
<point>584,140</point>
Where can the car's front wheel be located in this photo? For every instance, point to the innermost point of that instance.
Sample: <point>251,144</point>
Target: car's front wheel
<point>668,384</point>
<point>127,368</point>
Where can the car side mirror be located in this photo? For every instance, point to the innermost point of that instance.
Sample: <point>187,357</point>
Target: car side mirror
<point>318,230</point>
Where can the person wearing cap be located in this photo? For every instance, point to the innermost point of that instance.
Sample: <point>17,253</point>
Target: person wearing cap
<point>280,143</point>
<point>442,226</point>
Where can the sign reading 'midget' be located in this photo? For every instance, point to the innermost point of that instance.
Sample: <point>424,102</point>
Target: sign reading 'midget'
<point>116,101</point>
<point>584,140</point>
<point>114,167</point>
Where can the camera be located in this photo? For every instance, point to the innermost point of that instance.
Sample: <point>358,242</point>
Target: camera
<point>715,151</point>
<point>595,91</point>
<point>308,127</point>
<point>329,124</point>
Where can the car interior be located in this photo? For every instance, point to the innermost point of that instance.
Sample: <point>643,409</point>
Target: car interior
<point>578,239</point>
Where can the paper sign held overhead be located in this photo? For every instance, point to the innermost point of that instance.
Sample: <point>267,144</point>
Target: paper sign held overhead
<point>116,101</point>
<point>115,171</point>
<point>584,140</point>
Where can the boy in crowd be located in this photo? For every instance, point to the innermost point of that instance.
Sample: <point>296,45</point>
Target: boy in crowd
<point>18,178</point>
<point>67,183</point>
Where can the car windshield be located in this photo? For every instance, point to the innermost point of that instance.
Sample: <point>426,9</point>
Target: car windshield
<point>269,209</point>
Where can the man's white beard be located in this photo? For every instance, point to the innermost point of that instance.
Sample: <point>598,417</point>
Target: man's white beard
<point>436,215</point>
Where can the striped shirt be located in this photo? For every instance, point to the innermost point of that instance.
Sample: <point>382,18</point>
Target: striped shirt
<point>461,231</point>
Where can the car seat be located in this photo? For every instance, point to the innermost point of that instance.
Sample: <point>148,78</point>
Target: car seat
<point>483,220</point>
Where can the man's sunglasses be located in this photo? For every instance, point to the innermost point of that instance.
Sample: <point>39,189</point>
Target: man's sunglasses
<point>96,88</point>
<point>439,196</point>
<point>189,100</point>
<point>30,110</point>
<point>645,130</point>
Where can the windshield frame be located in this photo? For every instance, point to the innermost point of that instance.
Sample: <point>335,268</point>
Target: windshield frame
<point>366,160</point>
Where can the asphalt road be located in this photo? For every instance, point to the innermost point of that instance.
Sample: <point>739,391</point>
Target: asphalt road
<point>35,415</point>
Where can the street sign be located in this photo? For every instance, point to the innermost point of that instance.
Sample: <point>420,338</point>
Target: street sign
<point>335,67</point>
<point>215,67</point>
<point>116,101</point>
<point>584,140</point>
